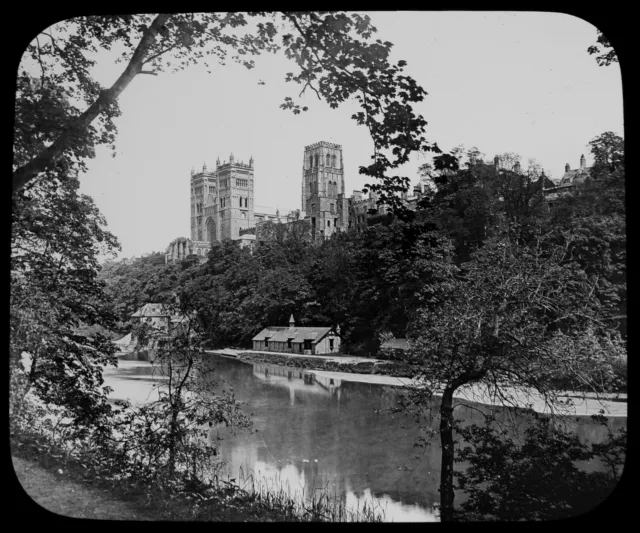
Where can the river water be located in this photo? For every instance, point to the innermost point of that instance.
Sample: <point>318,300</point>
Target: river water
<point>323,434</point>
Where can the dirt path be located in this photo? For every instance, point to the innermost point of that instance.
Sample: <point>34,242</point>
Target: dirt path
<point>58,494</point>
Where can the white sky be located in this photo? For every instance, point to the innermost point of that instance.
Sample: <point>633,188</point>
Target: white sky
<point>500,81</point>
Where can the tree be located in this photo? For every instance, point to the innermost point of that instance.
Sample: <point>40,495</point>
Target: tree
<point>56,236</point>
<point>536,478</point>
<point>514,319</point>
<point>594,215</point>
<point>188,401</point>
<point>334,52</point>
<point>605,49</point>
<point>398,268</point>
<point>132,283</point>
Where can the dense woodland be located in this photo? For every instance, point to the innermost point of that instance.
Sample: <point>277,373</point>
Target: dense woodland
<point>381,282</point>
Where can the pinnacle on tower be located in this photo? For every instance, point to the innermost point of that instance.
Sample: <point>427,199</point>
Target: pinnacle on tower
<point>251,162</point>
<point>292,322</point>
<point>204,167</point>
<point>231,158</point>
<point>218,162</point>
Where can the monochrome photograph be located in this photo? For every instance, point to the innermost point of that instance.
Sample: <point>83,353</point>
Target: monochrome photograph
<point>319,266</point>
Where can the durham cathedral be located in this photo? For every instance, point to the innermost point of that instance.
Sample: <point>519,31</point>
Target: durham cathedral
<point>223,204</point>
<point>223,208</point>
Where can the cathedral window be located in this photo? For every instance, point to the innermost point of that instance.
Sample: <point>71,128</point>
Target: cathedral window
<point>316,160</point>
<point>328,223</point>
<point>310,161</point>
<point>332,208</point>
<point>328,160</point>
<point>334,161</point>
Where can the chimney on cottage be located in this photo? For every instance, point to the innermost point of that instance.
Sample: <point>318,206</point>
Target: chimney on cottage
<point>583,162</point>
<point>567,168</point>
<point>292,322</point>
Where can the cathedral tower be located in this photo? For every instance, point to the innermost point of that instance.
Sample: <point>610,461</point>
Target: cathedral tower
<point>234,204</point>
<point>203,186</point>
<point>323,198</point>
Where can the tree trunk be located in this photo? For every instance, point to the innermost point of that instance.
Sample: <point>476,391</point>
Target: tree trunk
<point>79,125</point>
<point>172,442</point>
<point>446,466</point>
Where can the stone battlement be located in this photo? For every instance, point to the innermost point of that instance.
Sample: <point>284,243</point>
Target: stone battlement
<point>234,164</point>
<point>324,144</point>
<point>206,174</point>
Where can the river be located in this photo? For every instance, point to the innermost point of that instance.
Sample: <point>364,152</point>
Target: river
<point>324,434</point>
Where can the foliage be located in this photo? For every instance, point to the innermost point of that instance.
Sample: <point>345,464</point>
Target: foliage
<point>128,457</point>
<point>538,478</point>
<point>56,237</point>
<point>469,198</point>
<point>132,283</point>
<point>605,49</point>
<point>593,219</point>
<point>335,54</point>
<point>516,317</point>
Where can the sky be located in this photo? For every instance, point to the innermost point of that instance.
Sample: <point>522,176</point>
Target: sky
<point>499,81</point>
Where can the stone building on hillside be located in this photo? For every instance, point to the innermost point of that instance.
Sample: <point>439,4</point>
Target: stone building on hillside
<point>301,340</point>
<point>568,182</point>
<point>159,317</point>
<point>182,247</point>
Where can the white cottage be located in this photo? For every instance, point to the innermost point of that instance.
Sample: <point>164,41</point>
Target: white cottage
<point>301,340</point>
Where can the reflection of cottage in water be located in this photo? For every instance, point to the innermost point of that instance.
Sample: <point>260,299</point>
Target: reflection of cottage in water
<point>305,340</point>
<point>297,380</point>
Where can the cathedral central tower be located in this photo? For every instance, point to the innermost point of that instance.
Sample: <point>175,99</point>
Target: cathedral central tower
<point>323,198</point>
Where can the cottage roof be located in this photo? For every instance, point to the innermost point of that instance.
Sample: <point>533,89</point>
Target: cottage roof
<point>151,310</point>
<point>574,177</point>
<point>283,334</point>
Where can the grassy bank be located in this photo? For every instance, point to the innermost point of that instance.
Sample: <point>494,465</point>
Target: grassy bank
<point>251,500</point>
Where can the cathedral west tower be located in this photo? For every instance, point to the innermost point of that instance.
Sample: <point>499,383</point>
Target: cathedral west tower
<point>221,201</point>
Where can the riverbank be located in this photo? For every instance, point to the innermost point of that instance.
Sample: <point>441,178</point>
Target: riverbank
<point>390,373</point>
<point>55,491</point>
<point>63,486</point>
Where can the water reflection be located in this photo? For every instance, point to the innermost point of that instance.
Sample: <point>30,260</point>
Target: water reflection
<point>321,433</point>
